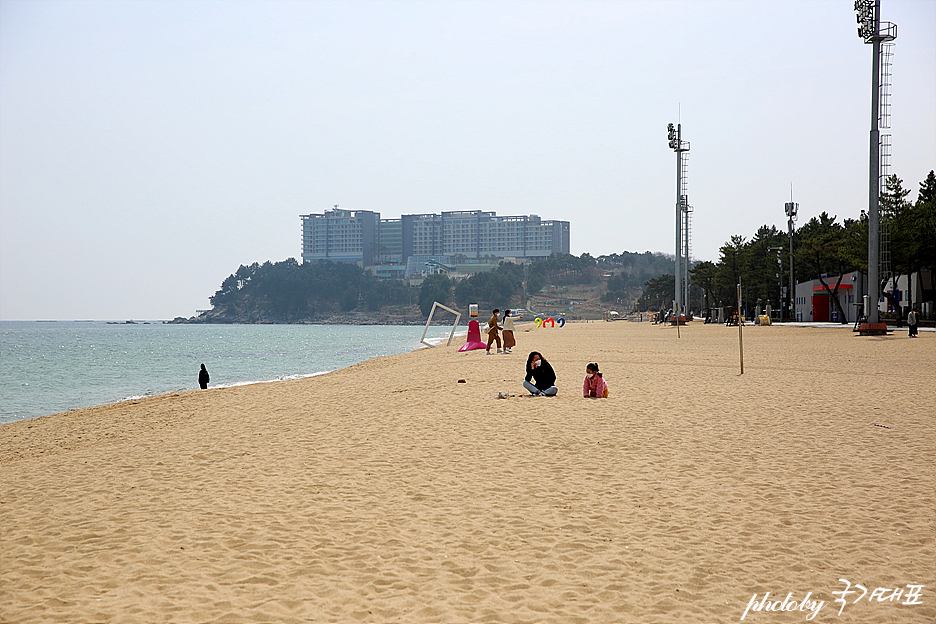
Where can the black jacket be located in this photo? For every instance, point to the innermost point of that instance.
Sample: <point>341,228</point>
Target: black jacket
<point>545,376</point>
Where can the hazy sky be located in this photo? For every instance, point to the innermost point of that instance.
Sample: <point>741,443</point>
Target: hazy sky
<point>147,149</point>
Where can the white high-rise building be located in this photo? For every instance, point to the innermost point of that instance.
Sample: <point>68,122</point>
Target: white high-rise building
<point>362,237</point>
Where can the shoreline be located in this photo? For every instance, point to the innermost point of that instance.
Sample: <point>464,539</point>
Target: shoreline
<point>387,491</point>
<point>69,401</point>
<point>523,325</point>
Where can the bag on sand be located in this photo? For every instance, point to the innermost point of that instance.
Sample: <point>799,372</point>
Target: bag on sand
<point>605,394</point>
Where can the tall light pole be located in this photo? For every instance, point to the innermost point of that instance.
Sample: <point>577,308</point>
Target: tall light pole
<point>791,209</point>
<point>780,303</point>
<point>674,134</point>
<point>872,31</point>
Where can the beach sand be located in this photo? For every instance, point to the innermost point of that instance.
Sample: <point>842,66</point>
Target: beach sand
<point>389,492</point>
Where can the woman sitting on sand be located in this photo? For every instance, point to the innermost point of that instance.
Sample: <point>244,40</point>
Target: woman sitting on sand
<point>538,369</point>
<point>595,386</point>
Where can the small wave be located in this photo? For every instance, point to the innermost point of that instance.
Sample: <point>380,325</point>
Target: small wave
<point>442,340</point>
<point>235,384</point>
<point>137,397</point>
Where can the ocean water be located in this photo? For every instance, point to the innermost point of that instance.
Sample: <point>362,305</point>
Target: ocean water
<point>50,367</point>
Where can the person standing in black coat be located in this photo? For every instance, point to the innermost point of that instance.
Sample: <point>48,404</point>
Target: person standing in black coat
<point>203,378</point>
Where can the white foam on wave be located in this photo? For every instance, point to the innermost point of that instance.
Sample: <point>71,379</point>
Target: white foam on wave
<point>442,340</point>
<point>234,384</point>
<point>278,354</point>
<point>434,341</point>
<point>280,378</point>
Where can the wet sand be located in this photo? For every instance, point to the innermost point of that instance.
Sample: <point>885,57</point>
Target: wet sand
<point>389,492</point>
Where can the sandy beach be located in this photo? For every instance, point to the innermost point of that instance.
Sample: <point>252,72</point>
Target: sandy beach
<point>389,492</point>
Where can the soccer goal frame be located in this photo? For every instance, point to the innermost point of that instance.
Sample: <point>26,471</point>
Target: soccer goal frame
<point>436,304</point>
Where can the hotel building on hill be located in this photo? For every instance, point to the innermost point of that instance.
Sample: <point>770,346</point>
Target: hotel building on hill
<point>362,237</point>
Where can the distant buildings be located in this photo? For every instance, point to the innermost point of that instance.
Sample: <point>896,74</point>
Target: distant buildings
<point>362,237</point>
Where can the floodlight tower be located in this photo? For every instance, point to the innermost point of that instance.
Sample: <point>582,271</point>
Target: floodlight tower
<point>791,209</point>
<point>875,32</point>
<point>674,134</point>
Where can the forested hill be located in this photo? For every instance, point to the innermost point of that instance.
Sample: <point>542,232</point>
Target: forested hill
<point>293,292</point>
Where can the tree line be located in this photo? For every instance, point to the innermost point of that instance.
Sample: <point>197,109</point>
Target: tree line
<point>822,246</point>
<point>508,282</point>
<point>290,291</point>
<point>624,275</point>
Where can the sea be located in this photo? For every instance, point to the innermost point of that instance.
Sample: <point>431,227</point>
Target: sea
<point>48,367</point>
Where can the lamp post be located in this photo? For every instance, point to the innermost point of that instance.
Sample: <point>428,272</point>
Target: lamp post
<point>779,251</point>
<point>873,31</point>
<point>674,135</point>
<point>791,209</point>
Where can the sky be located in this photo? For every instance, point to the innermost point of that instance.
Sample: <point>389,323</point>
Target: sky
<point>149,148</point>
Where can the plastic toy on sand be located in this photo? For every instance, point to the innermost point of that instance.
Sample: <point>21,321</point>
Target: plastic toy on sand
<point>474,338</point>
<point>551,321</point>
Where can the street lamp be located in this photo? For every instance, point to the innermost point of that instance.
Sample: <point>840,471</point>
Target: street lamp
<point>781,301</point>
<point>791,209</point>
<point>674,136</point>
<point>872,30</point>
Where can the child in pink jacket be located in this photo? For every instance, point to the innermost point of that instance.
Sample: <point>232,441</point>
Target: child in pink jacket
<point>595,386</point>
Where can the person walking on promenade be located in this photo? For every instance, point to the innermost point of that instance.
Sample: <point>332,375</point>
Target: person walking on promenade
<point>595,386</point>
<point>203,378</point>
<point>492,332</point>
<point>913,320</point>
<point>540,371</point>
<point>509,341</point>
